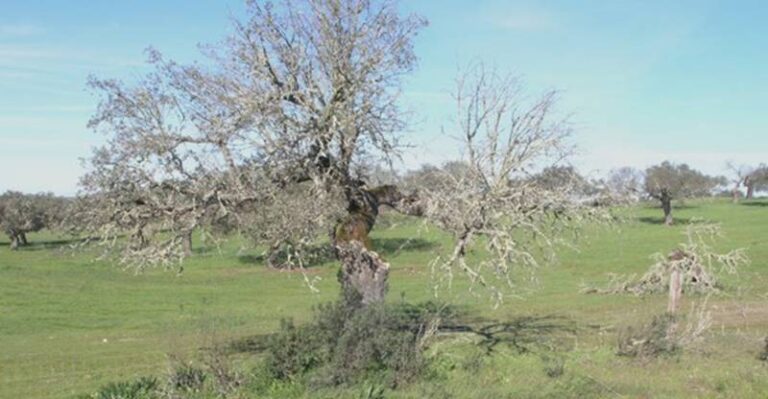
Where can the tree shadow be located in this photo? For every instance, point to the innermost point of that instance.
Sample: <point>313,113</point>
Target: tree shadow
<point>390,247</point>
<point>660,220</point>
<point>524,334</point>
<point>755,203</point>
<point>40,245</point>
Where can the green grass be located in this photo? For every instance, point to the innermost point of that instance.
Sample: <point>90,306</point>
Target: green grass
<point>69,324</point>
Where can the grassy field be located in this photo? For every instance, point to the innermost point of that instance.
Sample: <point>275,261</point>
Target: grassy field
<point>69,324</point>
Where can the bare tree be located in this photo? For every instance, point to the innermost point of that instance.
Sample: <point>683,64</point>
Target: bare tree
<point>495,203</point>
<point>668,181</point>
<point>756,180</point>
<point>625,183</point>
<point>272,137</point>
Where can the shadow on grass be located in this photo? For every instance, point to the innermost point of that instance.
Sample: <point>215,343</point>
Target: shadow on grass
<point>524,334</point>
<point>660,220</point>
<point>39,245</point>
<point>755,203</point>
<point>389,247</point>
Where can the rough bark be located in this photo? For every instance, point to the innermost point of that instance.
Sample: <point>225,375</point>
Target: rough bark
<point>666,205</point>
<point>364,275</point>
<point>187,243</point>
<point>750,189</point>
<point>675,290</point>
<point>14,241</point>
<point>23,239</point>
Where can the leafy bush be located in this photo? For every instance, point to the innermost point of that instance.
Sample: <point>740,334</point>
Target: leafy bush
<point>142,388</point>
<point>186,378</point>
<point>651,339</point>
<point>345,344</point>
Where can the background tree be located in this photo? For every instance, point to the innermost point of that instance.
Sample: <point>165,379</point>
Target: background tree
<point>270,138</point>
<point>625,183</point>
<point>21,214</point>
<point>756,179</point>
<point>667,181</point>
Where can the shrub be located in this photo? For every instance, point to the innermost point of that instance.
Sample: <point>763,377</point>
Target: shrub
<point>141,388</point>
<point>186,378</point>
<point>651,339</point>
<point>345,344</point>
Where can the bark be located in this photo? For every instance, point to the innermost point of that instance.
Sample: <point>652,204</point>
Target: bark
<point>187,243</point>
<point>364,275</point>
<point>666,205</point>
<point>736,193</point>
<point>14,241</point>
<point>675,291</point>
<point>23,239</point>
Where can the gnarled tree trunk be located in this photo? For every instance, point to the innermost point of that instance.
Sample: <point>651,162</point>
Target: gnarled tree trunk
<point>187,243</point>
<point>666,205</point>
<point>363,275</point>
<point>14,241</point>
<point>23,239</point>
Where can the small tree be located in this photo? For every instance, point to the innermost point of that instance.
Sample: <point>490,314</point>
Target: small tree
<point>625,183</point>
<point>756,179</point>
<point>26,213</point>
<point>667,181</point>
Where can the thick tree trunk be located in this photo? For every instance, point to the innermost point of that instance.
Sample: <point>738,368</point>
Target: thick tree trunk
<point>14,241</point>
<point>666,205</point>
<point>23,239</point>
<point>187,243</point>
<point>363,275</point>
<point>750,191</point>
<point>675,290</point>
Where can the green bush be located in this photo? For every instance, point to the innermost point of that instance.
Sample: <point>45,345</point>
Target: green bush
<point>649,340</point>
<point>142,388</point>
<point>345,344</point>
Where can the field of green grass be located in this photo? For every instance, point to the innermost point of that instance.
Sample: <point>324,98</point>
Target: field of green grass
<point>69,324</point>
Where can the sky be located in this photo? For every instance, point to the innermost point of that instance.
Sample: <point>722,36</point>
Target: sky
<point>644,81</point>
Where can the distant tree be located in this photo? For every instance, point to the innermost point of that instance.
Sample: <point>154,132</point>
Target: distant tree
<point>667,181</point>
<point>21,214</point>
<point>625,183</point>
<point>756,180</point>
<point>560,176</point>
<point>753,178</point>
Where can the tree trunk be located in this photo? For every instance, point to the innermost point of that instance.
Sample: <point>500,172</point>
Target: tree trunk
<point>23,239</point>
<point>750,190</point>
<point>736,193</point>
<point>14,241</point>
<point>666,205</point>
<point>675,290</point>
<point>187,243</point>
<point>363,275</point>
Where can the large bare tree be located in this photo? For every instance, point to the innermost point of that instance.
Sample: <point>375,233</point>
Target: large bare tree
<point>269,136</point>
<point>667,181</point>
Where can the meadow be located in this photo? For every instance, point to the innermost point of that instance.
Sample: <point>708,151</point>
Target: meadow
<point>69,323</point>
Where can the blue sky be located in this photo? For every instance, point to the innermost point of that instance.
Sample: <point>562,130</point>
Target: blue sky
<point>645,80</point>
